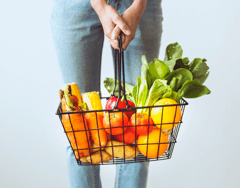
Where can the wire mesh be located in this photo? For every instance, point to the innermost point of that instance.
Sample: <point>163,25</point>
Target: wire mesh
<point>72,134</point>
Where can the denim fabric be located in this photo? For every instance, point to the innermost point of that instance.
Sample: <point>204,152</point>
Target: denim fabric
<point>78,39</point>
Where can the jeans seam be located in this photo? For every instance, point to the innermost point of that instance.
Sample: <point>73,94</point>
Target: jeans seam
<point>119,179</point>
<point>95,177</point>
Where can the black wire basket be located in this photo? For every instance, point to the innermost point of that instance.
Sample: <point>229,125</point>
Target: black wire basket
<point>120,153</point>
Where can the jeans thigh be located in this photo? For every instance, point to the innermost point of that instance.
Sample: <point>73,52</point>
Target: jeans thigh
<point>78,40</point>
<point>132,175</point>
<point>82,176</point>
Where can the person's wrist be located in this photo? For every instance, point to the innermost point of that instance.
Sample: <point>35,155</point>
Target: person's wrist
<point>139,5</point>
<point>98,5</point>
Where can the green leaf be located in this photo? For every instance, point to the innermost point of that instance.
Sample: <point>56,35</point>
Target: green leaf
<point>198,67</point>
<point>144,88</point>
<point>181,75</point>
<point>157,90</point>
<point>158,69</point>
<point>145,73</point>
<point>193,89</point>
<point>172,95</point>
<point>175,96</point>
<point>135,94</point>
<point>109,84</point>
<point>176,81</point>
<point>173,51</point>
<point>144,60</point>
<point>170,63</point>
<point>137,90</point>
<point>203,78</point>
<point>172,55</point>
<point>168,94</point>
<point>143,92</point>
<point>149,76</point>
<point>182,63</point>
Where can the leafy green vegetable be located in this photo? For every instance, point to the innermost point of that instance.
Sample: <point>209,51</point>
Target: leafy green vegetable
<point>172,78</point>
<point>173,95</point>
<point>172,55</point>
<point>177,78</point>
<point>171,64</point>
<point>144,60</point>
<point>173,51</point>
<point>199,69</point>
<point>203,77</point>
<point>135,94</point>
<point>158,69</point>
<point>143,92</point>
<point>109,84</point>
<point>193,89</point>
<point>143,89</point>
<point>157,90</point>
<point>174,82</point>
<point>182,63</point>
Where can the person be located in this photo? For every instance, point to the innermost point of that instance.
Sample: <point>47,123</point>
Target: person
<point>78,29</point>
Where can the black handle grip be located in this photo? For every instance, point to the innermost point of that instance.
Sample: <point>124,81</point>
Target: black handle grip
<point>119,72</point>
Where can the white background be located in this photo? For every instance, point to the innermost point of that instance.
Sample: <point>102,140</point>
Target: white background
<point>32,140</point>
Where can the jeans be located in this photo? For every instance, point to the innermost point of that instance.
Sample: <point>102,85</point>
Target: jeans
<point>78,39</point>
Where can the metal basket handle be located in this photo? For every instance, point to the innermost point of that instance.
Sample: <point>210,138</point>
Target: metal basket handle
<point>119,71</point>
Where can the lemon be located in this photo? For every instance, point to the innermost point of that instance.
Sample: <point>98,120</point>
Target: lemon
<point>166,117</point>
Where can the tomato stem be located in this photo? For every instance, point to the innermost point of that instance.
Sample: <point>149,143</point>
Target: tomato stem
<point>140,116</point>
<point>112,116</point>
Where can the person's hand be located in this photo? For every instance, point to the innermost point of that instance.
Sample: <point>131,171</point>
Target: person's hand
<point>109,18</point>
<point>132,17</point>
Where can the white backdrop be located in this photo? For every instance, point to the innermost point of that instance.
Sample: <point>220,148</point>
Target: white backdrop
<point>32,140</point>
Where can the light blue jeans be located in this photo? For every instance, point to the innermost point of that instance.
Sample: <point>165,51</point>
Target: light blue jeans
<point>78,39</point>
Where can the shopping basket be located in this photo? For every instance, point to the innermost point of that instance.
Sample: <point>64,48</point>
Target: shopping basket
<point>119,153</point>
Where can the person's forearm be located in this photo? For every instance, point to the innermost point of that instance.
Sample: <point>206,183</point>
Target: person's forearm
<point>98,5</point>
<point>140,5</point>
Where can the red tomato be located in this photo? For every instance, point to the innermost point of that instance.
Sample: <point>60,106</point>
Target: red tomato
<point>141,125</point>
<point>129,136</point>
<point>117,123</point>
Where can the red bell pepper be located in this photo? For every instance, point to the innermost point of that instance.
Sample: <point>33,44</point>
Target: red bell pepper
<point>130,113</point>
<point>112,102</point>
<point>121,104</point>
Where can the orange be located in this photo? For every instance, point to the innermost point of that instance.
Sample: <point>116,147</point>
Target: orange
<point>153,149</point>
<point>166,114</point>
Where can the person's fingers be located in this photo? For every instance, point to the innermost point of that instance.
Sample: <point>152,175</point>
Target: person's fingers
<point>114,44</point>
<point>108,28</point>
<point>116,32</point>
<point>126,43</point>
<point>122,25</point>
<point>114,39</point>
<point>123,37</point>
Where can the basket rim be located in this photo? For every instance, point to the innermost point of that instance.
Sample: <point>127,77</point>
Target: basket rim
<point>183,102</point>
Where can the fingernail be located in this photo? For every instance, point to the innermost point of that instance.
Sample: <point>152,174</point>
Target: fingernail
<point>128,32</point>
